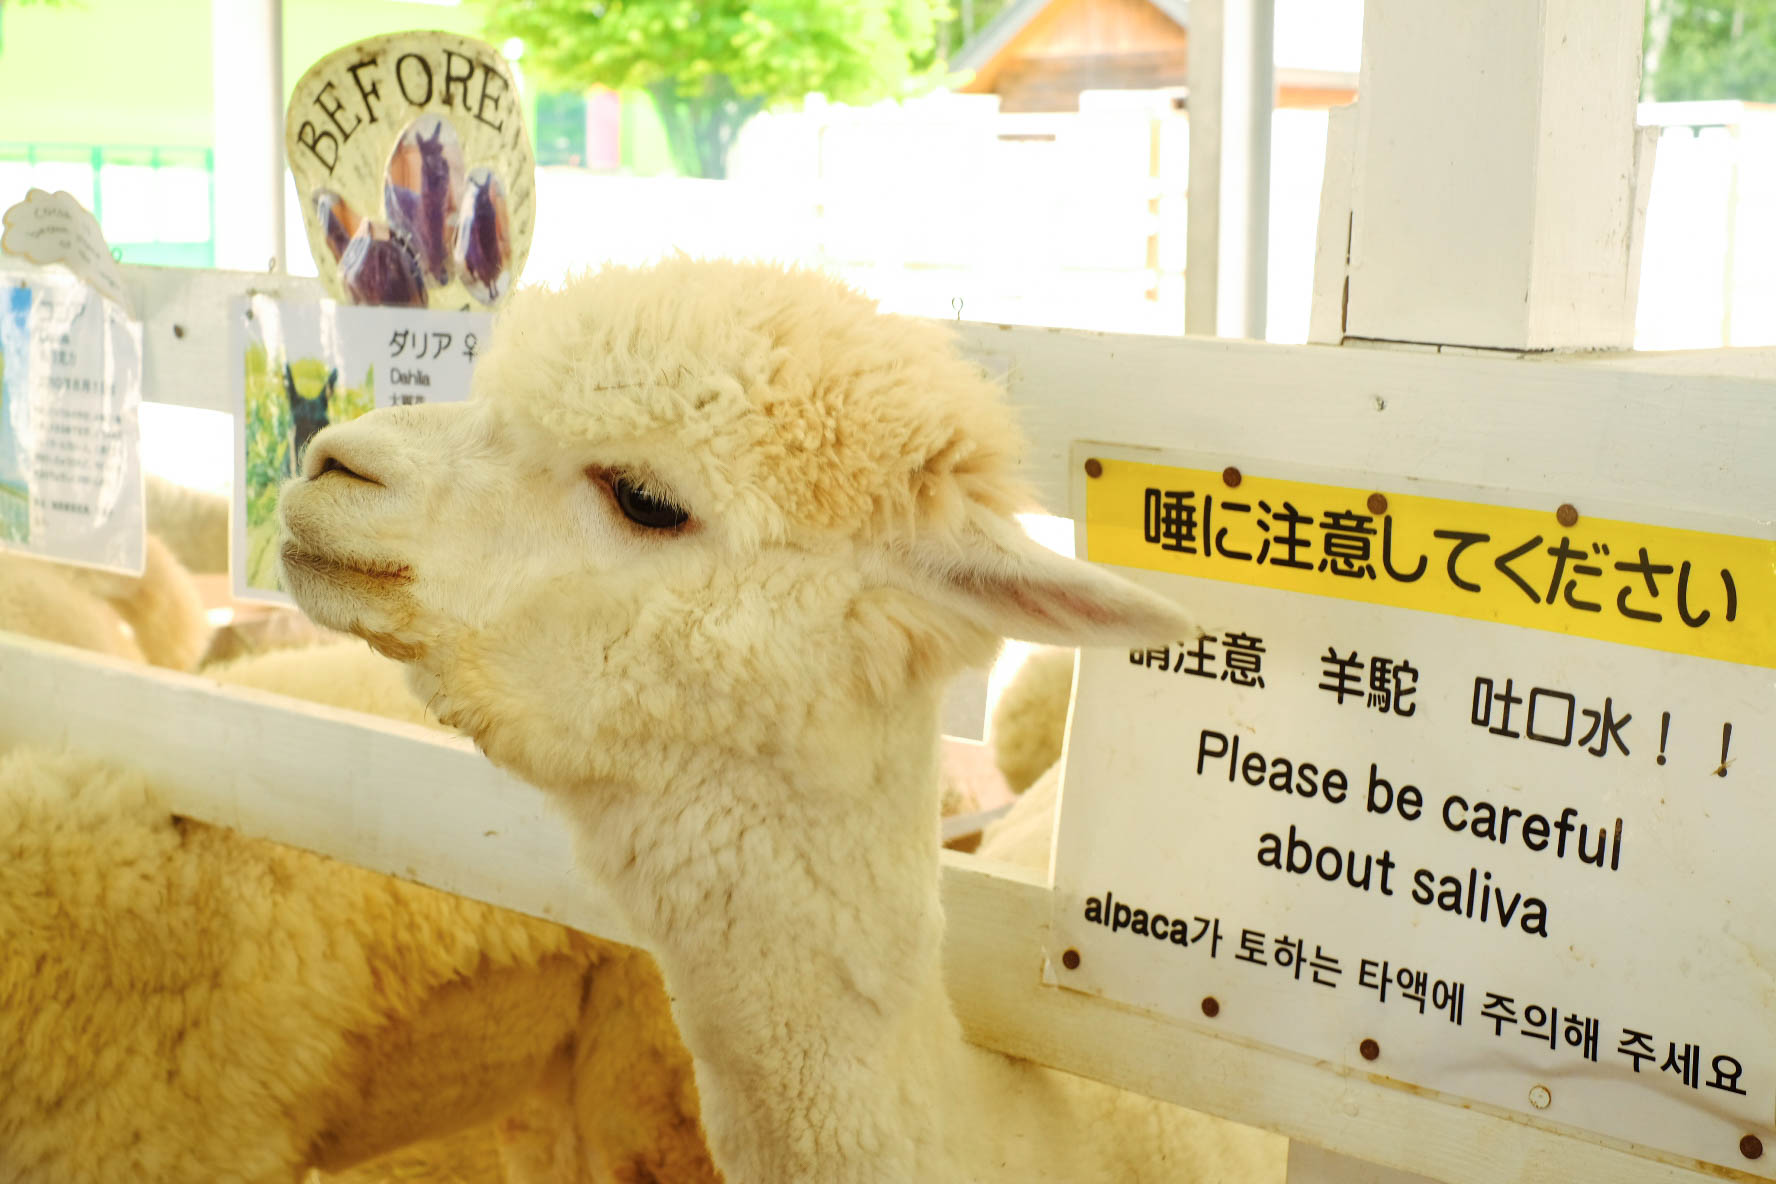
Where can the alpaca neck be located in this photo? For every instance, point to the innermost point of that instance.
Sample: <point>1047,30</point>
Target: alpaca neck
<point>796,919</point>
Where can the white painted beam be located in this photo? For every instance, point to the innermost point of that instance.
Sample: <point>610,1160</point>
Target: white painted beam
<point>1497,173</point>
<point>188,351</point>
<point>396,798</point>
<point>1469,419</point>
<point>1480,420</point>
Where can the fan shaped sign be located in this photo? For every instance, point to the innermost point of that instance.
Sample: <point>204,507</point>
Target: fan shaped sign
<point>415,172</point>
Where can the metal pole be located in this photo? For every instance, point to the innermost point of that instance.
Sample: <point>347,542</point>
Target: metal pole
<point>1202,248</point>
<point>1261,62</point>
<point>1232,85</point>
<point>247,69</point>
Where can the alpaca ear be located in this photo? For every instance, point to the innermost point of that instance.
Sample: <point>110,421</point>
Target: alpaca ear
<point>1000,579</point>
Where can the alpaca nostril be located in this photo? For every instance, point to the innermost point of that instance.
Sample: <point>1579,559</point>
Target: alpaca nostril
<point>331,463</point>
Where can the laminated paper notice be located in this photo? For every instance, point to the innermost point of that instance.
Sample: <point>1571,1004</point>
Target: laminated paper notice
<point>70,387</point>
<point>306,365</point>
<point>54,228</point>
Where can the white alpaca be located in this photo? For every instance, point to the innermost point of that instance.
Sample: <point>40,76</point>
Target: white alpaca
<point>697,560</point>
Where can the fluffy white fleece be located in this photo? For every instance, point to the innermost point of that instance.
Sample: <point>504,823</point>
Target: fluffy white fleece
<point>181,1003</point>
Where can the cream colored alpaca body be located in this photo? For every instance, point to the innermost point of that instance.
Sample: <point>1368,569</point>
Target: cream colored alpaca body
<point>738,710</point>
<point>193,523</point>
<point>180,1003</point>
<point>184,1004</point>
<point>1029,721</point>
<point>155,617</point>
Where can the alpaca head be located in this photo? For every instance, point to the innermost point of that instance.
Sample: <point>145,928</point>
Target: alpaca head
<point>706,500</point>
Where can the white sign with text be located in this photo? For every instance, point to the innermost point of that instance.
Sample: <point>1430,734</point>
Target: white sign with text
<point>70,441</point>
<point>1444,791</point>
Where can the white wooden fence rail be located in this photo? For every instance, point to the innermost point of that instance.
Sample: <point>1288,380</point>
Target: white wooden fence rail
<point>404,801</point>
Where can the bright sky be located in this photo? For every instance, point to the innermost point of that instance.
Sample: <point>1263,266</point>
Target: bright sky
<point>1319,34</point>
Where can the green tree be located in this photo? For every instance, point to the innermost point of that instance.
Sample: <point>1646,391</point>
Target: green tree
<point>967,18</point>
<point>1710,49</point>
<point>710,65</point>
<point>26,4</point>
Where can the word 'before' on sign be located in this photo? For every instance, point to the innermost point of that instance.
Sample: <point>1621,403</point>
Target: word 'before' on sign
<point>464,78</point>
<point>1446,768</point>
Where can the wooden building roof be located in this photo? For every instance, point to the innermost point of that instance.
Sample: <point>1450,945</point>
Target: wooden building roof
<point>1037,55</point>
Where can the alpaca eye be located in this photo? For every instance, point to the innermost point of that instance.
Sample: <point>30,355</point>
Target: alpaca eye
<point>644,509</point>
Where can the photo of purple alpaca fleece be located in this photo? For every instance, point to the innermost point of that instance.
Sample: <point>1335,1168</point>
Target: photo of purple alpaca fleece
<point>422,190</point>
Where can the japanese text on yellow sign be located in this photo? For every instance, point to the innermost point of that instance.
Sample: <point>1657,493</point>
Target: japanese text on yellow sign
<point>1659,587</point>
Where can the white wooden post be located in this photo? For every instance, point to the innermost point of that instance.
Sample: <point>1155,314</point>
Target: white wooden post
<point>1232,92</point>
<point>247,66</point>
<point>1497,173</point>
<point>1331,282</point>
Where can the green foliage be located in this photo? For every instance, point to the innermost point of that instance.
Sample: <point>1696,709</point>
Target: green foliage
<point>269,435</point>
<point>711,64</point>
<point>349,402</point>
<point>560,128</point>
<point>1711,49</point>
<point>850,50</point>
<point>971,18</point>
<point>15,496</point>
<point>15,513</point>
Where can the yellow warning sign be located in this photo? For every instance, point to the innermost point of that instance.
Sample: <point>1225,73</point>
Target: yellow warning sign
<point>1659,587</point>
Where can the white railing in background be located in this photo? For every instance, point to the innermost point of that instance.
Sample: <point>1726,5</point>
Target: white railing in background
<point>425,807</point>
<point>1044,219</point>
